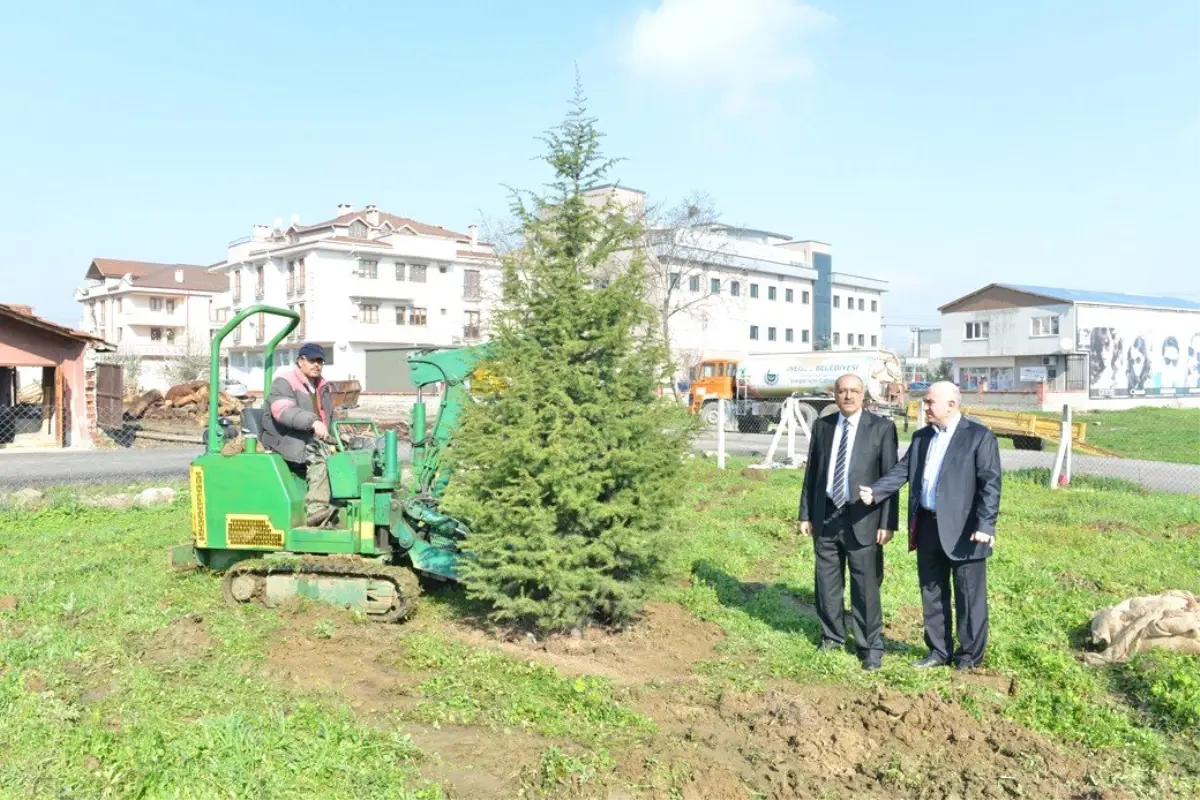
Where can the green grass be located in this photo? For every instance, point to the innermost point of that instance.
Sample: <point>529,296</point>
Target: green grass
<point>1061,556</point>
<point>91,705</point>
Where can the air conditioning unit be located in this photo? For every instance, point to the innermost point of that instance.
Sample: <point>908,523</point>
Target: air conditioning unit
<point>1047,361</point>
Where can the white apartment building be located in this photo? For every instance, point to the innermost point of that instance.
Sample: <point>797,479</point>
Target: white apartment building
<point>369,286</point>
<point>155,312</point>
<point>734,290</point>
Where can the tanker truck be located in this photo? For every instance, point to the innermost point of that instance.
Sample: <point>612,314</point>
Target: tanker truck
<point>756,386</point>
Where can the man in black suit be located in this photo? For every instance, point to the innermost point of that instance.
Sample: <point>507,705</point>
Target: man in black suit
<point>849,449</point>
<point>953,469</point>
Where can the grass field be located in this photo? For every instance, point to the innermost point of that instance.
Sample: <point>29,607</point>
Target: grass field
<point>118,678</point>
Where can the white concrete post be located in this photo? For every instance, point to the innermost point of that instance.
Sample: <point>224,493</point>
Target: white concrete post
<point>721,433</point>
<point>1067,443</point>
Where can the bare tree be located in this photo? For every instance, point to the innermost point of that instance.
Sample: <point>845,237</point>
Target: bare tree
<point>689,262</point>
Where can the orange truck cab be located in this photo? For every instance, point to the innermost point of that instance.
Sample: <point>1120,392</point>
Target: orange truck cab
<point>712,380</point>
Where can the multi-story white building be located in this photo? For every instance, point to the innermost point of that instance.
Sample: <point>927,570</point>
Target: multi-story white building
<point>730,290</point>
<point>157,313</point>
<point>369,286</point>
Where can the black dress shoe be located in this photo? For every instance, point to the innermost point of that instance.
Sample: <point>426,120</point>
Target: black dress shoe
<point>930,661</point>
<point>963,666</point>
<point>829,644</point>
<point>872,664</point>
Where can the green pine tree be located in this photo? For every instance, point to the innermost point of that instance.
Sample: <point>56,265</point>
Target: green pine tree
<point>567,474</point>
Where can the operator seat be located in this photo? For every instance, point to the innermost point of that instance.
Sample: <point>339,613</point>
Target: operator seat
<point>252,422</point>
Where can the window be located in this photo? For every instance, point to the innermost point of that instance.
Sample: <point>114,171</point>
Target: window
<point>789,296</point>
<point>787,334</point>
<point>291,278</point>
<point>754,331</point>
<point>156,304</point>
<point>874,305</point>
<point>368,269</point>
<point>298,332</point>
<point>260,327</point>
<point>171,306</point>
<point>874,341</point>
<point>804,335</point>
<point>714,286</point>
<point>471,325</point>
<point>471,286</point>
<point>804,297</point>
<point>399,270</point>
<point>735,288</point>
<point>359,229</point>
<point>861,340</point>
<point>754,290</point>
<point>1043,326</point>
<point>837,301</point>
<point>368,313</point>
<point>694,283</point>
<point>977,330</point>
<point>674,281</point>
<point>770,292</point>
<point>837,337</point>
<point>171,335</point>
<point>401,315</point>
<point>237,286</point>
<point>259,289</point>
<point>770,334</point>
<point>156,334</point>
<point>849,303</point>
<point>416,273</point>
<point>417,316</point>
<point>861,304</point>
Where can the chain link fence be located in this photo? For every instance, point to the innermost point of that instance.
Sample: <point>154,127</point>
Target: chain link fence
<point>1155,447</point>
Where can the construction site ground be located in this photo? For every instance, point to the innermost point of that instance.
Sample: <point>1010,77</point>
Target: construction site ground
<point>119,677</point>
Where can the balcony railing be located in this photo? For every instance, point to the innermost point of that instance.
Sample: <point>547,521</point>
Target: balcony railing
<point>294,287</point>
<point>472,295</point>
<point>259,293</point>
<point>471,332</point>
<point>237,296</point>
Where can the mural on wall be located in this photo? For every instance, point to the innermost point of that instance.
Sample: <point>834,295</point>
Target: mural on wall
<point>1137,352</point>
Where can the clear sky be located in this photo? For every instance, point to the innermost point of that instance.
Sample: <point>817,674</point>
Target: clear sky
<point>939,145</point>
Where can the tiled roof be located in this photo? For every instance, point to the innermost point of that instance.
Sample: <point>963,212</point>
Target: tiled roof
<point>150,275</point>
<point>397,222</point>
<point>22,313</point>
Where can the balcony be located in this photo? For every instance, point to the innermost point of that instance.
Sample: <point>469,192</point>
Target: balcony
<point>156,349</point>
<point>294,287</point>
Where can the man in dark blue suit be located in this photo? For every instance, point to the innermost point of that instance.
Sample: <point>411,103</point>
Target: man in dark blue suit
<point>953,470</point>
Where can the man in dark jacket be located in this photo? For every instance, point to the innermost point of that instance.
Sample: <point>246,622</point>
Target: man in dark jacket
<point>296,425</point>
<point>952,468</point>
<point>847,450</point>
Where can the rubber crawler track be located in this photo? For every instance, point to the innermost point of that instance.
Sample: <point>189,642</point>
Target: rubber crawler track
<point>408,588</point>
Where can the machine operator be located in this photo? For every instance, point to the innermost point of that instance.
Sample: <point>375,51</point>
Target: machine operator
<point>299,412</point>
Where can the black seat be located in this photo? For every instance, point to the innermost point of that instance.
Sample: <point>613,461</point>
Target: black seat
<point>252,424</point>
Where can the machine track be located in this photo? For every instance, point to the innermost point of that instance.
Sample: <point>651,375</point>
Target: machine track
<point>391,591</point>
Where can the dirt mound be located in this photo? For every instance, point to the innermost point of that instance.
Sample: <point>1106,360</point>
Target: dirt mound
<point>665,643</point>
<point>183,640</point>
<point>822,741</point>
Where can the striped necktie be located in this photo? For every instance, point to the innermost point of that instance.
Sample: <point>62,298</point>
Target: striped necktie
<point>839,472</point>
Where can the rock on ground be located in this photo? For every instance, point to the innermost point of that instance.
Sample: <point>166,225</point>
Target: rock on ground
<point>154,497</point>
<point>26,498</point>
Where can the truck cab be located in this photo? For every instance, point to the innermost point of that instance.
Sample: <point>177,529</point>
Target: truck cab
<point>711,379</point>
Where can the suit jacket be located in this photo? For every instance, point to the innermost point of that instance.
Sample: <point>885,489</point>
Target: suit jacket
<point>968,487</point>
<point>875,451</point>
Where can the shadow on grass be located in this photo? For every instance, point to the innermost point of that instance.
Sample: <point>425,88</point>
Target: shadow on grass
<point>783,606</point>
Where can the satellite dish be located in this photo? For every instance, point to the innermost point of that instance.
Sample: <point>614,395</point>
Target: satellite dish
<point>1066,344</point>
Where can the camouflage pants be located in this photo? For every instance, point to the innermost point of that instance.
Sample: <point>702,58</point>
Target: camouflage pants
<point>318,507</point>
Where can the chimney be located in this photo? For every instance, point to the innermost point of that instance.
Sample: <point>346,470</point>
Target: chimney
<point>261,232</point>
<point>372,216</point>
<point>344,208</point>
<point>474,231</point>
<point>179,276</point>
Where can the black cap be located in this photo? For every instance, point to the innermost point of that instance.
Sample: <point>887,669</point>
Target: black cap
<point>312,351</point>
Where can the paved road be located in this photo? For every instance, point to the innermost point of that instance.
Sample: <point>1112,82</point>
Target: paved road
<point>18,470</point>
<point>1182,478</point>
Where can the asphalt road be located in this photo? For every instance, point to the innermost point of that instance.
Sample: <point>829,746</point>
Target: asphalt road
<point>18,470</point>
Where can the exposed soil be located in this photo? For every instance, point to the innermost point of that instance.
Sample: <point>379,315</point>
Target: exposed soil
<point>665,643</point>
<point>791,741</point>
<point>184,639</point>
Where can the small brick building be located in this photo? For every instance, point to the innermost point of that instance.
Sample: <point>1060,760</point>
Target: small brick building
<point>46,398</point>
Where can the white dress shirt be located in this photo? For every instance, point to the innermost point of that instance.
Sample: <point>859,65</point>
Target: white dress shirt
<point>933,461</point>
<point>853,420</point>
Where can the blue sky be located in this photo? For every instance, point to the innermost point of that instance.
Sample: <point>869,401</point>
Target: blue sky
<point>939,145</point>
